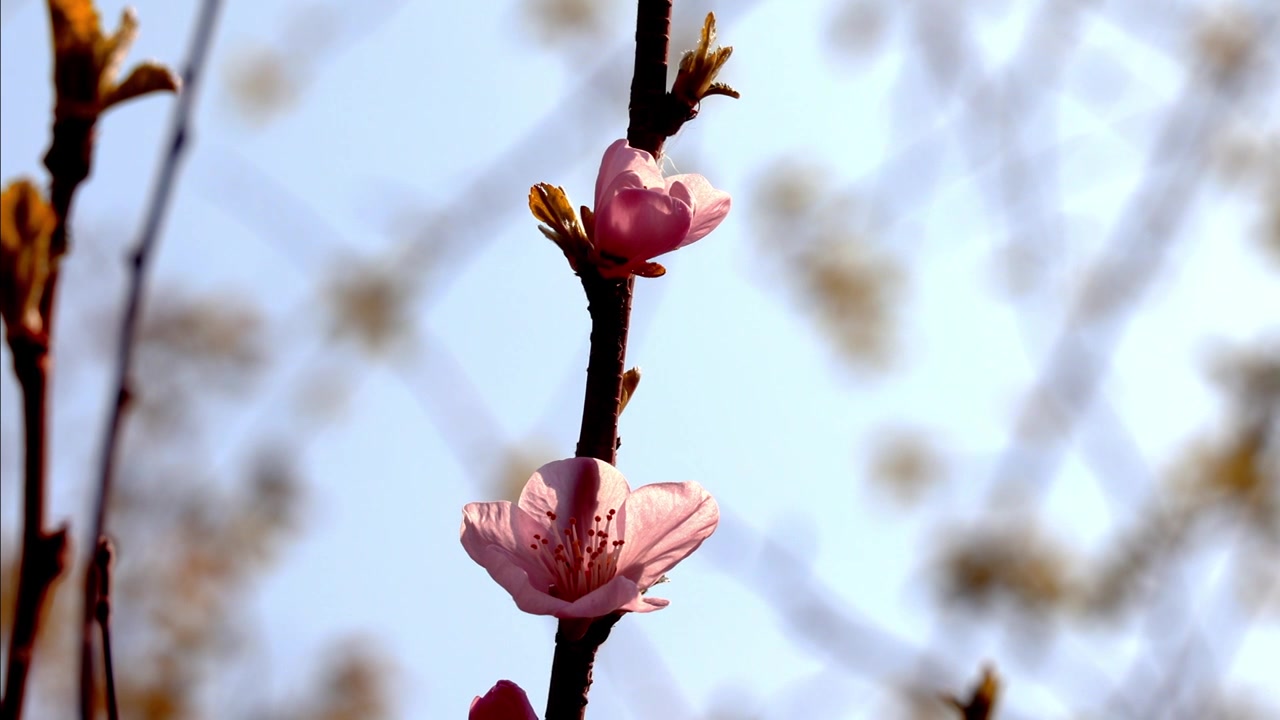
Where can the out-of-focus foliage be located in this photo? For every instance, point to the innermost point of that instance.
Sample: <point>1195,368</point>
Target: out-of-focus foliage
<point>192,535</point>
<point>567,21</point>
<point>518,464</point>
<point>194,349</point>
<point>1013,568</point>
<point>267,78</point>
<point>263,83</point>
<point>1004,570</point>
<point>371,306</point>
<point>826,246</point>
<point>857,28</point>
<point>353,684</point>
<point>906,462</point>
<point>1248,158</point>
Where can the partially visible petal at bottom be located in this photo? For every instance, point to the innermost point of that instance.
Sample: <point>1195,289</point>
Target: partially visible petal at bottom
<point>505,701</point>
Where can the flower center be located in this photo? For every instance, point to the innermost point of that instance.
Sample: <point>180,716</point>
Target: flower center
<point>580,559</point>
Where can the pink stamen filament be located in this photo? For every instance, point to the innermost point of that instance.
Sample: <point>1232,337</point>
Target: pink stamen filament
<point>578,567</point>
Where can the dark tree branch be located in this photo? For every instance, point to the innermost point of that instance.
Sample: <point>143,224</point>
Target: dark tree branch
<point>646,131</point>
<point>42,552</point>
<point>609,303</point>
<point>69,160</point>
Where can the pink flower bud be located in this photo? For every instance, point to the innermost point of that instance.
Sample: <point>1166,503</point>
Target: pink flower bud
<point>506,701</point>
<point>640,215</point>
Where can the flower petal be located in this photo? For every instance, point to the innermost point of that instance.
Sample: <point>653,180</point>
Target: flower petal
<point>645,603</point>
<point>617,594</point>
<point>621,158</point>
<point>710,206</point>
<point>501,525</point>
<point>507,570</point>
<point>574,488</point>
<point>664,523</point>
<point>485,524</point>
<point>626,181</point>
<point>642,224</point>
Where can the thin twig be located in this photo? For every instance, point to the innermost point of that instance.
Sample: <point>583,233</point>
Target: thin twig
<point>69,159</point>
<point>143,249</point>
<point>102,562</point>
<point>42,552</point>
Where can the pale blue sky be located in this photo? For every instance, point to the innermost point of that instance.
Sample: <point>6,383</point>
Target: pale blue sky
<point>740,390</point>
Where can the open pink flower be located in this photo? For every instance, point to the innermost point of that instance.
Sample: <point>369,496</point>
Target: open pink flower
<point>640,215</point>
<point>580,544</point>
<point>506,701</point>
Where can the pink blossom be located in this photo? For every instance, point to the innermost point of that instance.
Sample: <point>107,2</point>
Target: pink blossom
<point>506,701</point>
<point>640,215</point>
<point>580,544</point>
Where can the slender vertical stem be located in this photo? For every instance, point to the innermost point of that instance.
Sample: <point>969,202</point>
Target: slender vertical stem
<point>102,561</point>
<point>609,303</point>
<point>42,552</point>
<point>68,160</point>
<point>179,130</point>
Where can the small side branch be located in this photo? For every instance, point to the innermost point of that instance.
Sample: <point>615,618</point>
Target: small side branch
<point>42,552</point>
<point>103,559</point>
<point>179,131</point>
